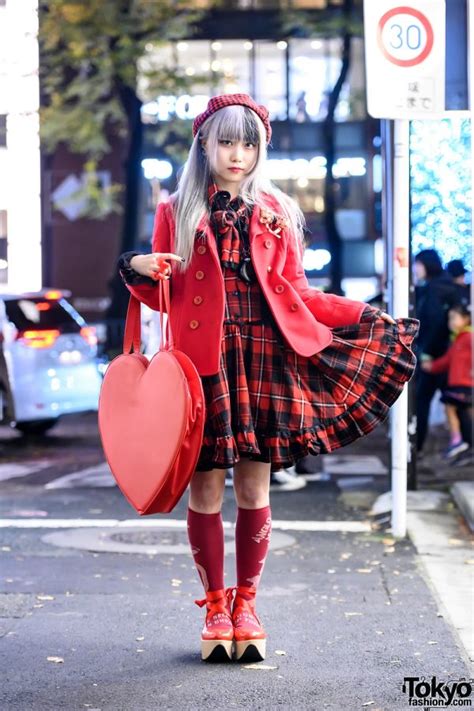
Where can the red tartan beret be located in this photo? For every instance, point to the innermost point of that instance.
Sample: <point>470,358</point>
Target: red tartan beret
<point>218,102</point>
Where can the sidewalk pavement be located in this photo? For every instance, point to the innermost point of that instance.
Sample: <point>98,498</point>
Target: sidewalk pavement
<point>97,606</point>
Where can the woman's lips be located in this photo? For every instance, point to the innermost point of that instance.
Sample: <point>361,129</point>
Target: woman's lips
<point>236,170</point>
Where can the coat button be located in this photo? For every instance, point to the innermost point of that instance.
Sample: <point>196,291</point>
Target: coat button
<point>269,269</point>
<point>194,324</point>
<point>279,288</point>
<point>199,275</point>
<point>201,249</point>
<point>268,243</point>
<point>294,306</point>
<point>197,300</point>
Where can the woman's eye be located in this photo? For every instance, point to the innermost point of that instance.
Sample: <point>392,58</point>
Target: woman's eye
<point>249,143</point>
<point>225,140</point>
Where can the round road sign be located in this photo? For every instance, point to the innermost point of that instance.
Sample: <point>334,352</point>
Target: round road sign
<point>405,36</point>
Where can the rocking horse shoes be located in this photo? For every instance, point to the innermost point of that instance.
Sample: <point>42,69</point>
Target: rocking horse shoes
<point>151,417</point>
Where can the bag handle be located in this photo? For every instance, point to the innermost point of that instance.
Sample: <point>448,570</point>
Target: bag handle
<point>132,334</point>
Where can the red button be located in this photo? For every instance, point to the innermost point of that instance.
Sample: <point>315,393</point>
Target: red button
<point>293,307</point>
<point>197,300</point>
<point>199,275</point>
<point>268,243</point>
<point>279,288</point>
<point>194,324</point>
<point>201,249</point>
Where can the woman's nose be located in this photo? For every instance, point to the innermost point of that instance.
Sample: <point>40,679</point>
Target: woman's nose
<point>237,153</point>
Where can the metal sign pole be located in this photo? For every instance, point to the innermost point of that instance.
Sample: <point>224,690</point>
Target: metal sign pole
<point>400,307</point>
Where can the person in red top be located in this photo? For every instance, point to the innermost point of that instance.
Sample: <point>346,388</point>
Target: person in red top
<point>286,369</point>
<point>457,396</point>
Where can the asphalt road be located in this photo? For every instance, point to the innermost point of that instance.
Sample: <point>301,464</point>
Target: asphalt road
<point>98,616</point>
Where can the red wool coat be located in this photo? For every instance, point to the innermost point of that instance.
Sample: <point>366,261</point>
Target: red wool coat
<point>304,314</point>
<point>457,361</point>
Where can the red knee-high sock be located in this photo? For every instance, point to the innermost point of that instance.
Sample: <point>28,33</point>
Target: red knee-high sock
<point>206,536</point>
<point>252,538</point>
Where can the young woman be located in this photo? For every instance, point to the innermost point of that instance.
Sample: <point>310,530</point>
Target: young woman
<point>286,369</point>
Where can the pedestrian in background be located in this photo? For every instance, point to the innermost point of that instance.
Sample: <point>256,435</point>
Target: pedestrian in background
<point>286,370</point>
<point>458,273</point>
<point>457,395</point>
<point>435,293</point>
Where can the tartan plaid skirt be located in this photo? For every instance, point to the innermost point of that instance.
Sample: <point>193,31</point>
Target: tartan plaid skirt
<point>270,404</point>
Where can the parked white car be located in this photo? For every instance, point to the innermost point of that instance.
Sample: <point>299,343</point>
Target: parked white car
<point>48,360</point>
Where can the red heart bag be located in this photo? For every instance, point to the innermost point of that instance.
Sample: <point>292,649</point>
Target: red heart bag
<point>151,417</point>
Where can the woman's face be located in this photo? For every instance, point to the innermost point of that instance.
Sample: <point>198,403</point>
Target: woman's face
<point>419,271</point>
<point>234,160</point>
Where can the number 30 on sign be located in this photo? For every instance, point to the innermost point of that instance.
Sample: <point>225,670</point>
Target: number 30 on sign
<point>405,36</point>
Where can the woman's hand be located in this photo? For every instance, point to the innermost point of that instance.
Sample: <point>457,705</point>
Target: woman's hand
<point>384,315</point>
<point>154,265</point>
<point>387,317</point>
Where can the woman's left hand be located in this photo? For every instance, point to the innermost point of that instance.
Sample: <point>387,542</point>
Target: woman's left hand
<point>385,316</point>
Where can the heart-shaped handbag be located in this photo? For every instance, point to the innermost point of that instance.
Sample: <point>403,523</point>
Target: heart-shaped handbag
<point>151,417</point>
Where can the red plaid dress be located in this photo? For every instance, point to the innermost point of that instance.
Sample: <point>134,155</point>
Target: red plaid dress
<point>270,404</point>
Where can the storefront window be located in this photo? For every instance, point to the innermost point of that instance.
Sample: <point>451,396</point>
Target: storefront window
<point>315,65</point>
<point>230,66</point>
<point>270,77</point>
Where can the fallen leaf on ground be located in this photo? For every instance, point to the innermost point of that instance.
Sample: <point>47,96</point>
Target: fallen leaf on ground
<point>57,660</point>
<point>45,597</point>
<point>279,651</point>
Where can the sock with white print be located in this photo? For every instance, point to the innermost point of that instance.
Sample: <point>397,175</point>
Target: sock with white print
<point>206,537</point>
<point>252,538</point>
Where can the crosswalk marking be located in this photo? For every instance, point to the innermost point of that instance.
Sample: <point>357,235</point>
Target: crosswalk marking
<point>348,526</point>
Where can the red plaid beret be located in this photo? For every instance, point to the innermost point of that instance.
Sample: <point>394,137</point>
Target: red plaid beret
<point>218,102</point>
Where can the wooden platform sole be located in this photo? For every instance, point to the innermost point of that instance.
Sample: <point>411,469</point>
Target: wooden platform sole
<point>250,650</point>
<point>216,650</point>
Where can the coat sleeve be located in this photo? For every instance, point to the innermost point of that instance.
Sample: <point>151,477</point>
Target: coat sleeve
<point>331,310</point>
<point>441,364</point>
<point>149,294</point>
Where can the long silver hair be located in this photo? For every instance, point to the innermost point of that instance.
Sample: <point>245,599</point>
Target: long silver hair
<point>190,200</point>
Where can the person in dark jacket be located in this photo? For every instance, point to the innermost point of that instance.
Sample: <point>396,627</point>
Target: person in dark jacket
<point>458,272</point>
<point>435,293</point>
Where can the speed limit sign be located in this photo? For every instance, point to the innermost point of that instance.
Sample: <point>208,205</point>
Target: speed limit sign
<point>405,56</point>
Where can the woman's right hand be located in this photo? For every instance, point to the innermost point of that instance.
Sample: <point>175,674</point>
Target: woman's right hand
<point>154,265</point>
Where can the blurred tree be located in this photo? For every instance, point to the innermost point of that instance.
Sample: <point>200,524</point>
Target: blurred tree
<point>93,53</point>
<point>344,20</point>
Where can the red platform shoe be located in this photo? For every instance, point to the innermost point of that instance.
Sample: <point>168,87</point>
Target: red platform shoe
<point>249,635</point>
<point>218,632</point>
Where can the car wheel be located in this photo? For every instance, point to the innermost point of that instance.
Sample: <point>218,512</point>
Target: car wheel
<point>36,427</point>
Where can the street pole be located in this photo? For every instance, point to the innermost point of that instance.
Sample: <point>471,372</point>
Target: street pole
<point>400,308</point>
<point>470,90</point>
